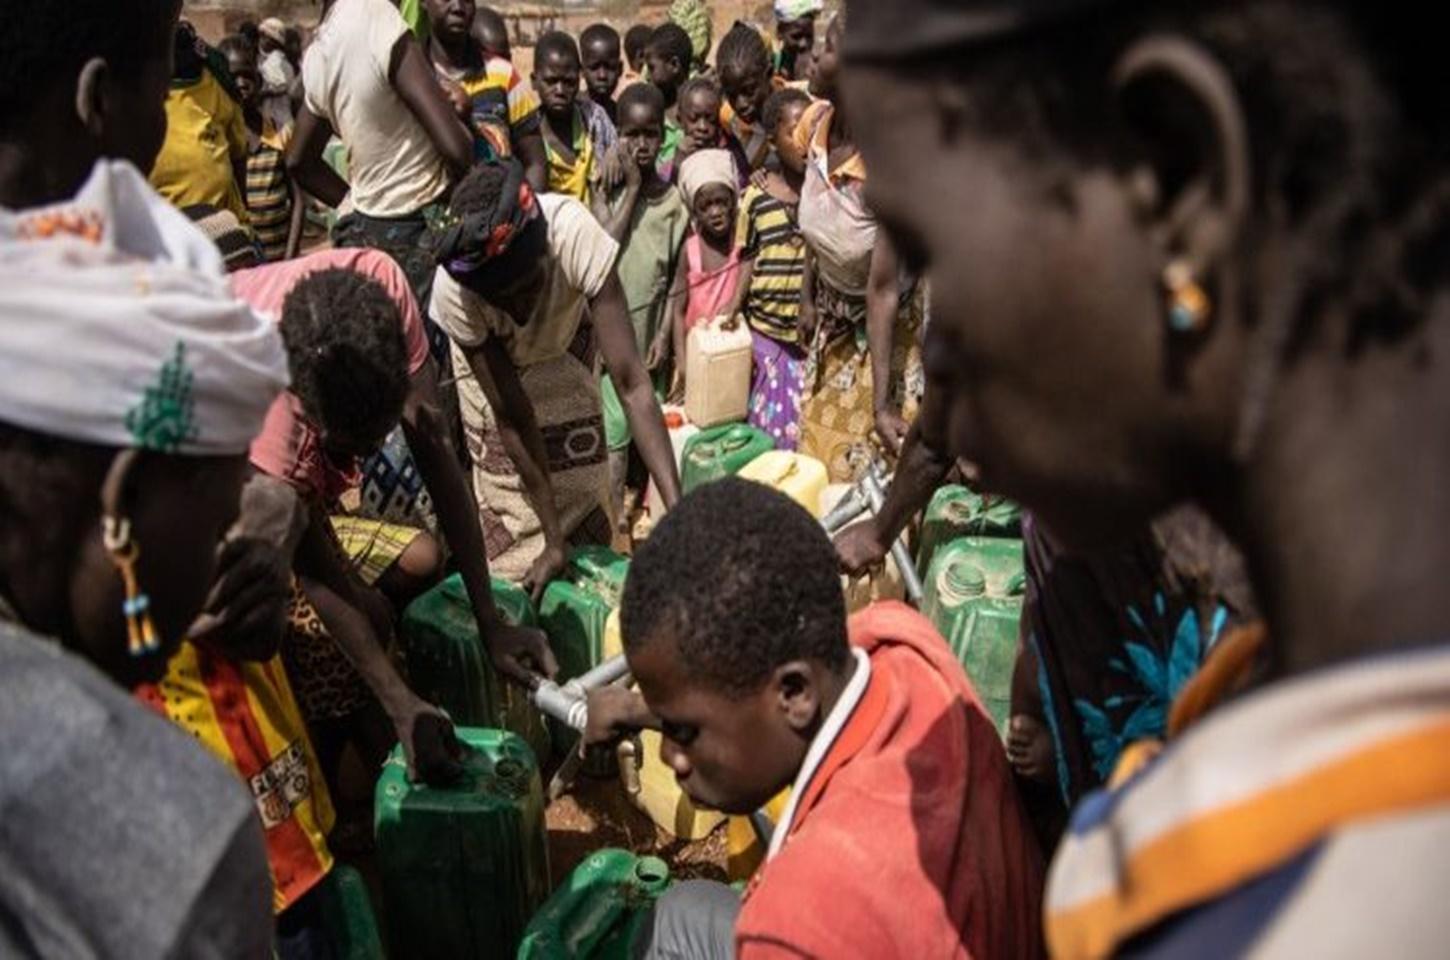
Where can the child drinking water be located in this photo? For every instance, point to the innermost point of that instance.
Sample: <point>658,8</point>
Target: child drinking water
<point>773,260</point>
<point>707,281</point>
<point>648,217</point>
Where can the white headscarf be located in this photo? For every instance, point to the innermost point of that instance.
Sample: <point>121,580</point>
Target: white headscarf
<point>704,168</point>
<point>787,10</point>
<point>117,326</point>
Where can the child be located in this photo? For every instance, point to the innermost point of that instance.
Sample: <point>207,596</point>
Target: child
<point>204,157</point>
<point>707,281</point>
<point>636,43</point>
<point>649,219</point>
<point>795,33</point>
<point>275,203</point>
<point>700,111</point>
<point>773,255</point>
<point>668,56</point>
<point>492,33</point>
<point>745,69</point>
<point>501,109</point>
<point>576,131</point>
<point>276,72</point>
<point>599,49</point>
<point>904,836</point>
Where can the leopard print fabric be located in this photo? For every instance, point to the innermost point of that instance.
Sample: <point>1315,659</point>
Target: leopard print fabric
<point>325,683</point>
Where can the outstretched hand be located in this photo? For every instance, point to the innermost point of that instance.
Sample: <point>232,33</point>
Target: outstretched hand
<point>859,548</point>
<point>520,653</point>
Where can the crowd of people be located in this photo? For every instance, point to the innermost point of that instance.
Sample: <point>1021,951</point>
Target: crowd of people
<point>295,323</point>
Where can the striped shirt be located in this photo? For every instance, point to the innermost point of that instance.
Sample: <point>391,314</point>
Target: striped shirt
<point>1308,819</point>
<point>269,195</point>
<point>505,107</point>
<point>769,233</point>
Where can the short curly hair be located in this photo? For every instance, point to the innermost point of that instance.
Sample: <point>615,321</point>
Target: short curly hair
<point>777,104</point>
<point>671,41</point>
<point>345,349</point>
<point>642,95</point>
<point>744,580</point>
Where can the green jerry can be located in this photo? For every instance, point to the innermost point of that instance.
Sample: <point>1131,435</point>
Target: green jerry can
<point>974,593</point>
<point>464,867</point>
<point>446,663</point>
<point>347,914</point>
<point>574,611</point>
<point>721,452</point>
<point>957,511</point>
<point>597,912</point>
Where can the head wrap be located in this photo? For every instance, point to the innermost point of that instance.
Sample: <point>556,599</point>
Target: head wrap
<point>225,231</point>
<point>910,28</point>
<point>788,10</point>
<point>704,168</point>
<point>273,29</point>
<point>119,328</point>
<point>693,16</point>
<point>486,249</point>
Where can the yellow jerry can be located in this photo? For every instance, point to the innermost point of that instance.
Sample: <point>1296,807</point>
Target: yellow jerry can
<point>796,475</point>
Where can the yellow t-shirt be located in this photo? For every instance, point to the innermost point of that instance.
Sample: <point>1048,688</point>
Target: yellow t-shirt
<point>204,132</point>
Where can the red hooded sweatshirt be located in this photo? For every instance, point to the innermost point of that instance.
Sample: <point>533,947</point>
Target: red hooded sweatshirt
<point>909,841</point>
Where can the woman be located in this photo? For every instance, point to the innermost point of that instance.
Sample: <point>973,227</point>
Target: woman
<point>864,373</point>
<point>1194,251</point>
<point>519,275</point>
<point>121,837</point>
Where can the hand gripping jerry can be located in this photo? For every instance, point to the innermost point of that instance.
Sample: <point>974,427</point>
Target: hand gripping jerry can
<point>347,915</point>
<point>883,583</point>
<point>447,664</point>
<point>974,595</point>
<point>464,867</point>
<point>796,475</point>
<point>718,360</point>
<point>957,511</point>
<point>649,783</point>
<point>574,611</point>
<point>721,452</point>
<point>597,912</point>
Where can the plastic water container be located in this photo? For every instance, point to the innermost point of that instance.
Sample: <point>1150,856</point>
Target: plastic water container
<point>717,373</point>
<point>447,664</point>
<point>574,611</point>
<point>681,432</point>
<point>596,913</point>
<point>744,853</point>
<point>974,594</point>
<point>466,867</point>
<point>650,783</point>
<point>796,475</point>
<point>956,512</point>
<point>721,452</point>
<point>347,915</point>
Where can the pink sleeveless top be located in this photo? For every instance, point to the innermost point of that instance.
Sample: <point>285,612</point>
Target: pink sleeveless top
<point>709,293</point>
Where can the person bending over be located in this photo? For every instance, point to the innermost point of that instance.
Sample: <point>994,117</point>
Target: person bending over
<point>903,836</point>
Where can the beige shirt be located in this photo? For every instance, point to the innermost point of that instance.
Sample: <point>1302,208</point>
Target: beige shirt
<point>581,259</point>
<point>395,168</point>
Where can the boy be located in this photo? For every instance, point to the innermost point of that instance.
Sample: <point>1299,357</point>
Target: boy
<point>501,109</point>
<point>636,44</point>
<point>603,65</point>
<point>577,133</point>
<point>276,204</point>
<point>650,221</point>
<point>903,836</point>
<point>668,57</point>
<point>204,157</point>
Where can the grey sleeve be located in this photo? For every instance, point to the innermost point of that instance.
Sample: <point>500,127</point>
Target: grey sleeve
<point>232,915</point>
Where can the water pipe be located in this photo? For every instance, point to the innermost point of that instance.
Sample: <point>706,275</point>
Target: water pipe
<point>876,497</point>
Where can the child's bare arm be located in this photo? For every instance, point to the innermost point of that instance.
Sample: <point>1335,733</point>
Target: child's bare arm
<point>679,304</point>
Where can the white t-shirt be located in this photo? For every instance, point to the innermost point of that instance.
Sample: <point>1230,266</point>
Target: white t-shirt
<point>395,168</point>
<point>581,258</point>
